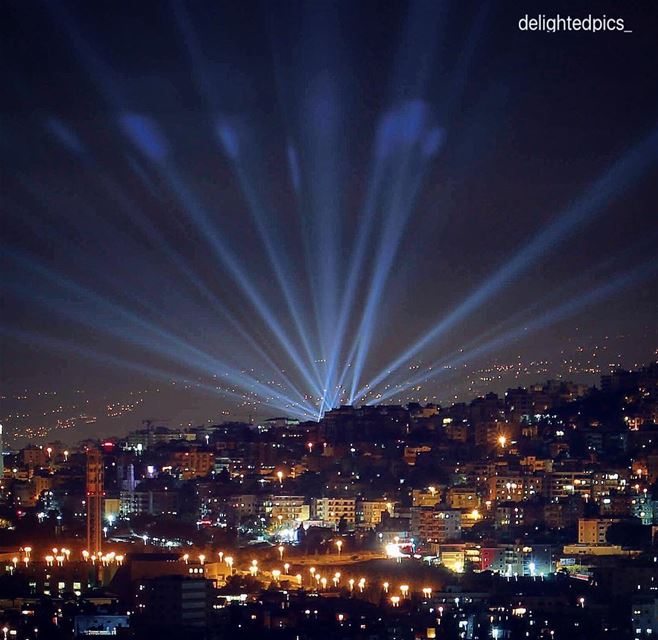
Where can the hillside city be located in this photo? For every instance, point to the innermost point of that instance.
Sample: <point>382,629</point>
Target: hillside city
<point>532,514</point>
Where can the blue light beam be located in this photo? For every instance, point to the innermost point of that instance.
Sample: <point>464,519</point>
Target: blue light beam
<point>630,278</point>
<point>599,195</point>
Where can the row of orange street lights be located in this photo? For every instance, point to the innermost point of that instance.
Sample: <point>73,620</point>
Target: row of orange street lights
<point>229,560</point>
<point>57,557</point>
<point>103,558</point>
<point>320,580</point>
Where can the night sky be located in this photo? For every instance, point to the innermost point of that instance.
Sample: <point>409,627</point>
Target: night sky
<point>288,201</point>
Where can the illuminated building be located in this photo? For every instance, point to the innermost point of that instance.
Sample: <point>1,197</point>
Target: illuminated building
<point>515,488</point>
<point>369,512</point>
<point>288,509</point>
<point>95,478</point>
<point>594,530</point>
<point>560,484</point>
<point>436,525</point>
<point>193,463</point>
<point>509,514</point>
<point>154,503</point>
<point>463,498</point>
<point>426,498</point>
<point>411,453</point>
<point>34,457</point>
<point>334,510</point>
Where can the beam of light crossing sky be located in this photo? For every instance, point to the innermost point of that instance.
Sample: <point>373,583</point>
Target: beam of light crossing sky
<point>66,347</point>
<point>66,136</point>
<point>145,135</point>
<point>408,83</point>
<point>553,299</point>
<point>599,195</point>
<point>284,91</point>
<point>413,61</point>
<point>418,141</point>
<point>168,345</point>
<point>232,142</point>
<point>153,145</point>
<point>630,278</point>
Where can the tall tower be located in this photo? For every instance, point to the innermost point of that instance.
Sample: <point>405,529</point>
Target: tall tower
<point>94,500</point>
<point>2,459</point>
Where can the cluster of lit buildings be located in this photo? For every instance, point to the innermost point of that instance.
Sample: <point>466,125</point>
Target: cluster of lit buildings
<point>475,519</point>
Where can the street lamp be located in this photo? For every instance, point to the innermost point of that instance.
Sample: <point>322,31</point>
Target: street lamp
<point>339,544</point>
<point>385,585</point>
<point>281,549</point>
<point>404,588</point>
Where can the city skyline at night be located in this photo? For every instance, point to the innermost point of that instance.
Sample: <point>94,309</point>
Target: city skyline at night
<point>329,320</point>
